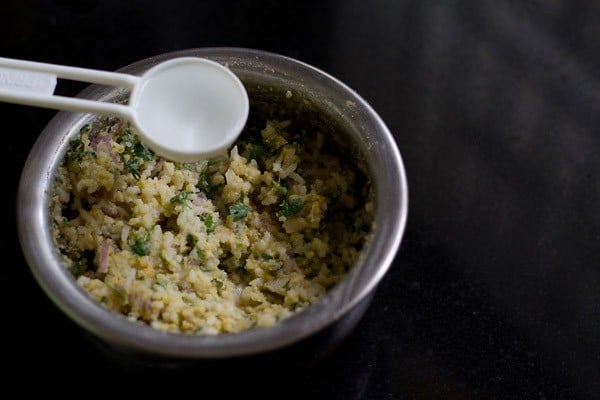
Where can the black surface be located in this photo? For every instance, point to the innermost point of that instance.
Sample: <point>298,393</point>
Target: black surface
<point>495,292</point>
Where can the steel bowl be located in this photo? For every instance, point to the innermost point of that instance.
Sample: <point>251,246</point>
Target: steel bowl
<point>332,105</point>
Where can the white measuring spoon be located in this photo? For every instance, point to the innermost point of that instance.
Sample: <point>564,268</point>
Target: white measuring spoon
<point>185,109</point>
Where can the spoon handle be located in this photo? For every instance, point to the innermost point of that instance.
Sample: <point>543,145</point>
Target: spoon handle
<point>33,83</point>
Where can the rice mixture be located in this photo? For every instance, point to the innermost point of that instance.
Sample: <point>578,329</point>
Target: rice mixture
<point>216,246</point>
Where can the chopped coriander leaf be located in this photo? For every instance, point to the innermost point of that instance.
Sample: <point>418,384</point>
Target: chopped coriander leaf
<point>191,240</point>
<point>208,222</point>
<point>84,262</point>
<point>238,211</point>
<point>187,166</point>
<point>212,161</point>
<point>128,138</point>
<point>135,152</point>
<point>291,207</point>
<point>85,128</point>
<point>140,245</point>
<point>274,265</point>
<point>205,183</point>
<point>180,198</point>
<point>133,166</point>
<point>141,151</point>
<point>76,150</point>
<point>279,188</point>
<point>218,283</point>
<point>272,142</point>
<point>272,137</point>
<point>257,151</point>
<point>287,286</point>
<point>202,259</point>
<point>78,268</point>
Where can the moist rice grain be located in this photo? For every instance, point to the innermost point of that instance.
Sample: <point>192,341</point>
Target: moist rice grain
<point>217,246</point>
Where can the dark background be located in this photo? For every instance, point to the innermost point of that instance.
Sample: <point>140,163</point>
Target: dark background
<point>495,292</point>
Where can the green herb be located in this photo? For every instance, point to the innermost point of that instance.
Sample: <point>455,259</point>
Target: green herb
<point>133,166</point>
<point>180,198</point>
<point>191,240</point>
<point>187,166</point>
<point>273,141</point>
<point>205,182</point>
<point>202,259</point>
<point>274,265</point>
<point>77,151</point>
<point>208,222</point>
<point>205,268</point>
<point>273,138</point>
<point>162,258</point>
<point>279,188</point>
<point>83,263</point>
<point>218,283</point>
<point>135,152</point>
<point>85,128</point>
<point>128,138</point>
<point>141,245</point>
<point>141,151</point>
<point>238,211</point>
<point>257,151</point>
<point>78,268</point>
<point>287,286</point>
<point>225,257</point>
<point>291,207</point>
<point>271,262</point>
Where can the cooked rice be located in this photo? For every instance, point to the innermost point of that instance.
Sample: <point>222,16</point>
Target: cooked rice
<point>215,246</point>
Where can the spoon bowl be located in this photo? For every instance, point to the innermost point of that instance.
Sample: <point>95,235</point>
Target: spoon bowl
<point>186,109</point>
